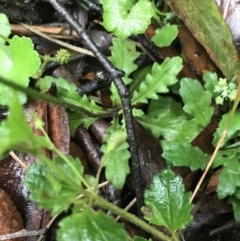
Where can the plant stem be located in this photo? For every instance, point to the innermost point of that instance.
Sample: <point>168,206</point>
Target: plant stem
<point>175,237</point>
<point>130,217</point>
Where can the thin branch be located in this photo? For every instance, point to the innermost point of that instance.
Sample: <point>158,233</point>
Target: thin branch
<point>123,91</point>
<point>23,233</point>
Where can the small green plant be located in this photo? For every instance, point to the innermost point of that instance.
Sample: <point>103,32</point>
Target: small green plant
<point>55,184</point>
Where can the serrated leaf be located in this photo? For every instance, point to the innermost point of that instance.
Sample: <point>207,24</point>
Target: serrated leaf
<point>21,61</point>
<point>229,178</point>
<point>78,119</point>
<point>233,130</point>
<point>44,84</point>
<point>48,185</point>
<point>223,156</point>
<point>91,226</point>
<point>5,27</point>
<point>164,36</point>
<point>158,81</point>
<point>123,54</point>
<point>235,202</point>
<point>116,156</point>
<point>165,118</point>
<point>197,101</point>
<point>128,16</point>
<point>184,155</point>
<point>74,98</point>
<point>211,80</point>
<point>168,201</point>
<point>16,133</point>
<point>189,130</point>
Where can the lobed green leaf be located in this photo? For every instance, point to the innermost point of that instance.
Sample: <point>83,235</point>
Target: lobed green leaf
<point>158,81</point>
<point>164,36</point>
<point>50,186</point>
<point>168,201</point>
<point>91,226</point>
<point>229,178</point>
<point>197,101</point>
<point>233,130</point>
<point>184,155</point>
<point>116,156</point>
<point>19,62</point>
<point>129,17</point>
<point>5,27</point>
<point>123,54</point>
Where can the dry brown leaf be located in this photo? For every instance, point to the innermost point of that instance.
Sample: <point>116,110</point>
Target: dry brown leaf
<point>10,218</point>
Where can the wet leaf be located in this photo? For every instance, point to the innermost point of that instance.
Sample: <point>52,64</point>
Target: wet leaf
<point>54,186</point>
<point>129,17</point>
<point>5,27</point>
<point>184,155</point>
<point>123,54</point>
<point>236,207</point>
<point>168,201</point>
<point>197,101</point>
<point>91,226</point>
<point>19,62</point>
<point>164,36</point>
<point>158,81</point>
<point>229,178</point>
<point>116,156</point>
<point>233,130</point>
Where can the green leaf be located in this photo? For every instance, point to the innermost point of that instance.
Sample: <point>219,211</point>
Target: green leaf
<point>162,76</point>
<point>19,62</point>
<point>223,156</point>
<point>184,155</point>
<point>16,133</point>
<point>164,36</point>
<point>123,54</point>
<point>129,17</point>
<point>90,226</point>
<point>165,118</point>
<point>54,185</point>
<point>116,156</point>
<point>5,27</point>
<point>229,178</point>
<point>74,98</point>
<point>211,80</point>
<point>138,77</point>
<point>233,130</point>
<point>44,84</point>
<point>236,207</point>
<point>78,119</point>
<point>169,204</point>
<point>197,101</point>
<point>210,29</point>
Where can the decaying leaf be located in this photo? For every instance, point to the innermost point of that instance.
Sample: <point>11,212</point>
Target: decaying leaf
<point>10,218</point>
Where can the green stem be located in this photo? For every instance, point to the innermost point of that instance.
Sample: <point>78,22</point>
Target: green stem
<point>57,101</point>
<point>175,237</point>
<point>130,217</point>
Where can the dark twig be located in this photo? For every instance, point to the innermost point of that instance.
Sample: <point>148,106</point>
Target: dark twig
<point>148,45</point>
<point>93,6</point>
<point>22,233</point>
<point>115,75</point>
